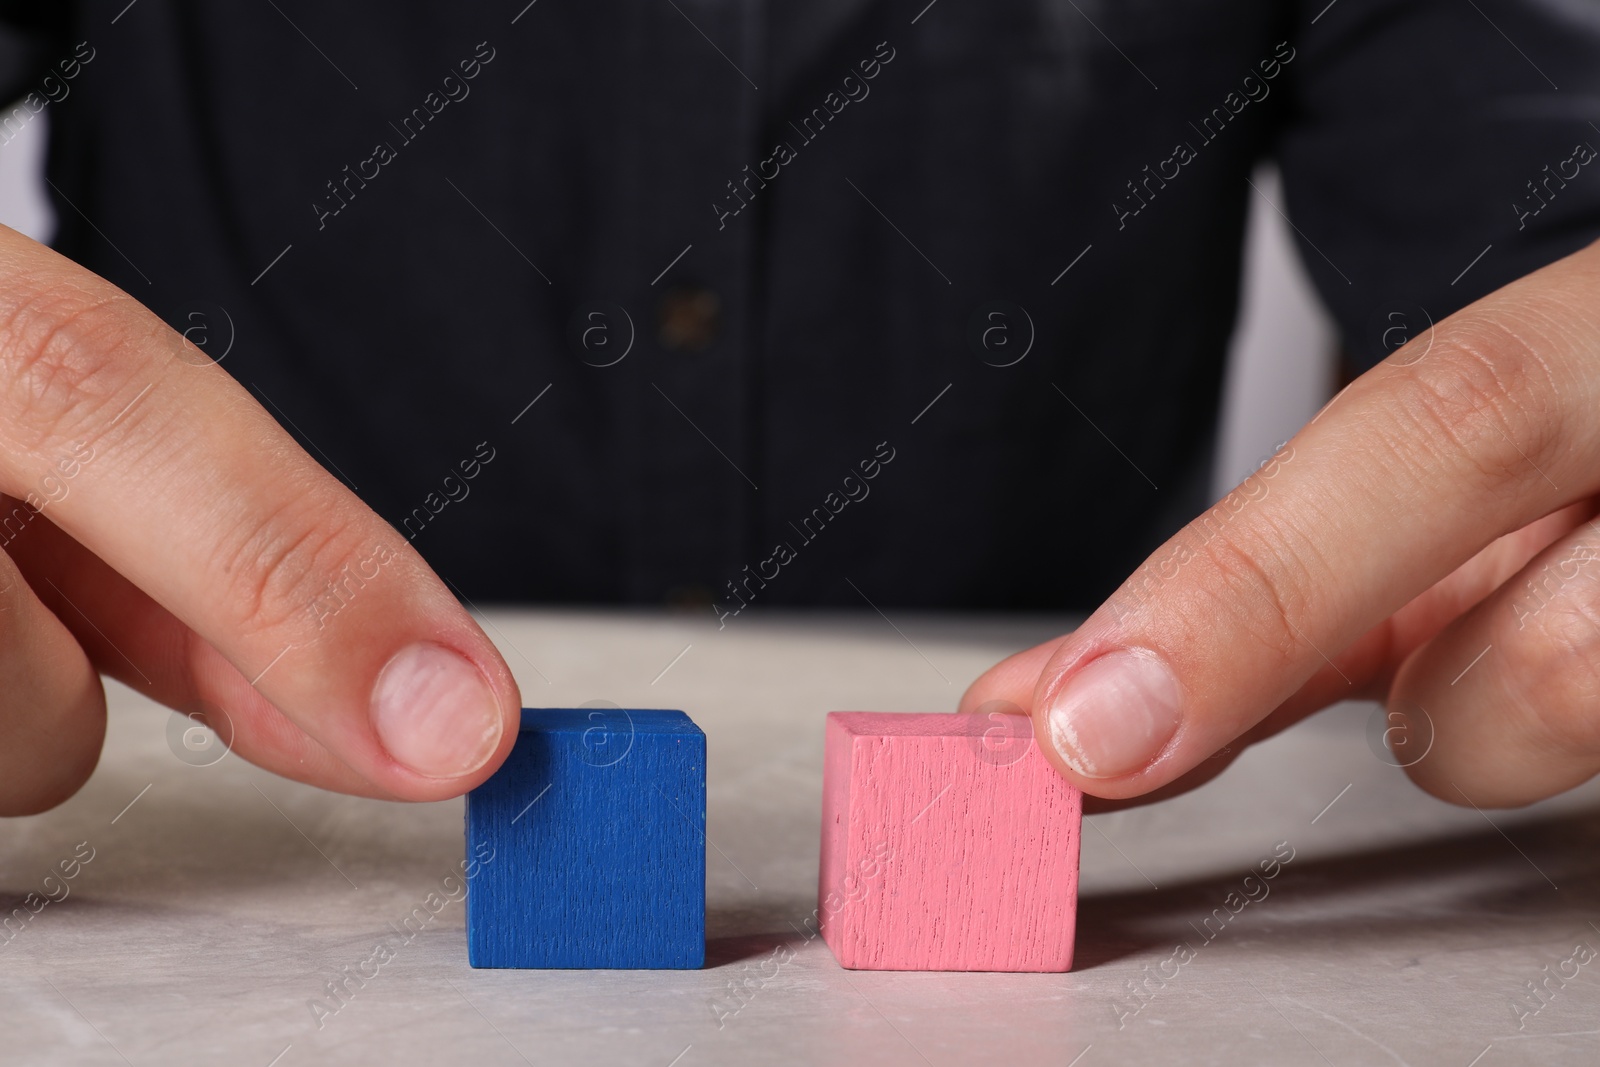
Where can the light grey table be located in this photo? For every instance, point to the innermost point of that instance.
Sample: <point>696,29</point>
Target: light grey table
<point>221,901</point>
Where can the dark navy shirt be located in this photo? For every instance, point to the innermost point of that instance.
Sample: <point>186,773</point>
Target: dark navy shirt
<point>803,303</point>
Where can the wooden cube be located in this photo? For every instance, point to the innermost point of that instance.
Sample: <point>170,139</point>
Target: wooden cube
<point>948,844</point>
<point>596,829</point>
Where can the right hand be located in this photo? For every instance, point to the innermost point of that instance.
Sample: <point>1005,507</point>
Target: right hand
<point>187,547</point>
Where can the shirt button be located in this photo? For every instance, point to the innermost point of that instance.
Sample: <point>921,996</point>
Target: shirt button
<point>688,319</point>
<point>688,596</point>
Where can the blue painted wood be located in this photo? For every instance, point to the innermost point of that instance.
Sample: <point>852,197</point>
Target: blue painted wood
<point>595,833</point>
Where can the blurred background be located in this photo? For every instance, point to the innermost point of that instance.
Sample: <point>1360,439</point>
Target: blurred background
<point>1281,365</point>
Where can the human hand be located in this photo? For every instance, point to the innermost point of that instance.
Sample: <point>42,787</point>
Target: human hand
<point>180,541</point>
<point>1427,540</point>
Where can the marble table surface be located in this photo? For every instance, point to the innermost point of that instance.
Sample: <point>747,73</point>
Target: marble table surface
<point>218,902</point>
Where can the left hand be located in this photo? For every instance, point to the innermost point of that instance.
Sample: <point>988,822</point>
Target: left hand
<point>1438,510</point>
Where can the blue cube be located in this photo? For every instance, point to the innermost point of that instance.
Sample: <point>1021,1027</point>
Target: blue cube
<point>595,833</point>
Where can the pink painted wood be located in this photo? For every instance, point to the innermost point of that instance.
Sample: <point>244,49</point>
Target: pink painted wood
<point>948,844</point>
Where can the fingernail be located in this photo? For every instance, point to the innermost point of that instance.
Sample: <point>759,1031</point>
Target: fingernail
<point>1116,714</point>
<point>435,713</point>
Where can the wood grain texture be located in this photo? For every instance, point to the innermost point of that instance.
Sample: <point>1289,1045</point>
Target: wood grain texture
<point>948,844</point>
<point>596,824</point>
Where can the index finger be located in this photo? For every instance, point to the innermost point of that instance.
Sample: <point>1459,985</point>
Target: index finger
<point>1470,432</point>
<point>186,486</point>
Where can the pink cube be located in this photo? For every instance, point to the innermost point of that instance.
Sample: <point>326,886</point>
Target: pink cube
<point>948,844</point>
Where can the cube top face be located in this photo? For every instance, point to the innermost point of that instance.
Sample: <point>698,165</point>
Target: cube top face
<point>948,843</point>
<point>608,720</point>
<point>590,841</point>
<point>995,728</point>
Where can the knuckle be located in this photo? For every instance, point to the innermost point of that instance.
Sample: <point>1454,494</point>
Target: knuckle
<point>277,567</point>
<point>1253,575</point>
<point>62,360</point>
<point>1487,399</point>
